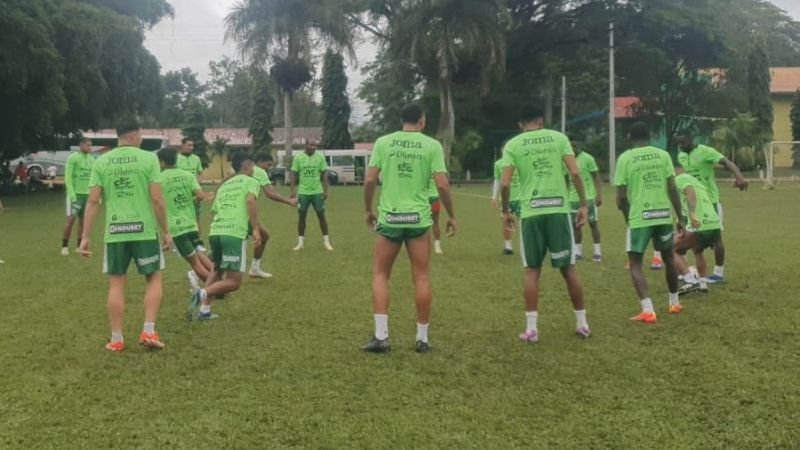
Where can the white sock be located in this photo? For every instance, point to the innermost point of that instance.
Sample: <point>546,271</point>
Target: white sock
<point>205,309</point>
<point>647,305</point>
<point>300,240</point>
<point>422,332</point>
<point>150,327</point>
<point>203,295</point>
<point>116,336</point>
<point>703,282</point>
<point>326,239</point>
<point>437,245</point>
<point>657,255</point>
<point>509,245</point>
<point>673,299</point>
<point>381,326</point>
<point>580,319</point>
<point>690,278</point>
<point>256,264</point>
<point>598,249</point>
<point>532,317</point>
<point>719,271</point>
<point>578,249</point>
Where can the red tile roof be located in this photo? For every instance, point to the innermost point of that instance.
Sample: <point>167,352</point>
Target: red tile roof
<point>785,80</point>
<point>235,136</point>
<point>624,107</point>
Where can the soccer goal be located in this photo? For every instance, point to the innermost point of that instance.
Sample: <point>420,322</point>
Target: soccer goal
<point>779,155</point>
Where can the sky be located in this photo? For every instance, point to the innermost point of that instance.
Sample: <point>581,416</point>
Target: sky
<point>196,36</point>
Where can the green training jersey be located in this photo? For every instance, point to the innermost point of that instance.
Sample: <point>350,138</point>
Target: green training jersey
<point>125,175</point>
<point>190,163</point>
<point>699,163</point>
<point>538,156</point>
<point>179,187</point>
<point>261,176</point>
<point>309,169</point>
<point>587,167</point>
<point>407,161</point>
<point>77,172</point>
<point>514,195</point>
<point>433,191</point>
<point>230,207</point>
<point>645,171</point>
<point>705,210</point>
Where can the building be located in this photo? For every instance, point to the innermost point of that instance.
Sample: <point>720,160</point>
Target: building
<point>785,81</point>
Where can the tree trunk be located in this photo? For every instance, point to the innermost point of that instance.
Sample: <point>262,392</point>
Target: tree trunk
<point>288,129</point>
<point>447,119</point>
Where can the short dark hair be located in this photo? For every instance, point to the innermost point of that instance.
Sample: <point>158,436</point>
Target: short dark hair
<point>186,139</point>
<point>263,157</point>
<point>85,140</point>
<point>168,156</point>
<point>412,113</point>
<point>128,126</point>
<point>238,160</point>
<point>686,132</point>
<point>529,113</point>
<point>640,131</point>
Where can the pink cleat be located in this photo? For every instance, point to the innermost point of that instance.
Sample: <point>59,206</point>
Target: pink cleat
<point>529,336</point>
<point>583,332</point>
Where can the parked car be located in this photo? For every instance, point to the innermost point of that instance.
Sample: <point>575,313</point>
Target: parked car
<point>278,176</point>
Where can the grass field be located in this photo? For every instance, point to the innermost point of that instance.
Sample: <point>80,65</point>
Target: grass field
<point>282,366</point>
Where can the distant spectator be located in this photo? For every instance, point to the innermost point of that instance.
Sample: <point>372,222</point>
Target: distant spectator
<point>52,172</point>
<point>22,174</point>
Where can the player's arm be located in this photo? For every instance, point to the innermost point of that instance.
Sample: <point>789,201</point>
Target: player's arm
<point>623,203</point>
<point>577,182</point>
<point>495,191</point>
<point>325,183</point>
<point>160,210</point>
<point>675,199</point>
<point>275,196</point>
<point>443,186</point>
<point>252,214</point>
<point>88,217</point>
<point>68,172</point>
<point>739,181</point>
<point>293,183</point>
<point>691,202</point>
<point>598,188</point>
<point>370,183</point>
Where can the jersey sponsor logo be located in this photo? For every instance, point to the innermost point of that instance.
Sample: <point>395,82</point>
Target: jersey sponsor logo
<point>231,259</point>
<point>547,202</point>
<point>538,140</point>
<point>126,228</point>
<point>148,261</point>
<point>647,157</point>
<point>405,170</point>
<point>656,214</point>
<point>405,144</point>
<point>559,255</point>
<point>124,159</point>
<point>402,218</point>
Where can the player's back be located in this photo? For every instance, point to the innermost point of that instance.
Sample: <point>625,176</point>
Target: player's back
<point>179,187</point>
<point>645,171</point>
<point>230,206</point>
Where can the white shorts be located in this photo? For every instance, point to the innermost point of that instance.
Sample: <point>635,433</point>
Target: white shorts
<point>719,213</point>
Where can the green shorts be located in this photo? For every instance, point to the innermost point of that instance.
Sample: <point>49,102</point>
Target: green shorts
<point>304,201</point>
<point>574,206</point>
<point>547,233</point>
<point>78,207</point>
<point>707,239</point>
<point>185,245</point>
<point>228,253</point>
<point>400,235</point>
<point>515,207</point>
<point>146,255</point>
<point>195,237</point>
<point>638,238</point>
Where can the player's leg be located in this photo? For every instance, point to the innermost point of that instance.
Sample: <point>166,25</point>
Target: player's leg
<point>116,259</point>
<point>578,251</point>
<point>719,254</point>
<point>702,268</point>
<point>560,240</point>
<point>436,207</point>
<point>258,252</point>
<point>303,202</point>
<point>594,225</point>
<point>663,242</point>
<point>682,244</point>
<point>387,246</point>
<point>534,249</point>
<point>419,253</point>
<point>198,211</point>
<point>149,260</point>
<point>66,234</point>
<point>319,208</point>
<point>637,241</point>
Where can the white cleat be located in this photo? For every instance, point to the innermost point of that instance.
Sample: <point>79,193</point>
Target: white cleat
<point>328,247</point>
<point>438,251</point>
<point>258,273</point>
<point>2,262</point>
<point>194,280</point>
<point>298,247</point>
<point>65,251</point>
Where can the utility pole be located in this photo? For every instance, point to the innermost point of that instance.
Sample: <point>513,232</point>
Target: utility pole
<point>563,104</point>
<point>612,124</point>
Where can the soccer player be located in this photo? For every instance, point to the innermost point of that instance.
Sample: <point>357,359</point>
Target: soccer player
<point>699,161</point>
<point>77,171</point>
<point>309,171</point>
<point>405,161</point>
<point>540,155</point>
<point>191,163</point>
<point>513,204</point>
<point>263,163</point>
<point>235,214</point>
<point>593,185</point>
<point>436,207</point>
<point>129,181</point>
<point>702,230</point>
<point>646,189</point>
<point>181,189</point>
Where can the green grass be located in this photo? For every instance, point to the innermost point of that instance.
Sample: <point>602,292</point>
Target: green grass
<point>281,368</point>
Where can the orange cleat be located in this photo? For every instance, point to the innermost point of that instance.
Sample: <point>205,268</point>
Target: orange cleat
<point>645,317</point>
<point>115,346</point>
<point>657,263</point>
<point>675,309</point>
<point>151,340</point>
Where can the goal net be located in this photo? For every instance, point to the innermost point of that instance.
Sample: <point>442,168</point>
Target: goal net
<point>779,158</point>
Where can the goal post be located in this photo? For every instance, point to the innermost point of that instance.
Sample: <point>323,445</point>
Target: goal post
<point>780,155</point>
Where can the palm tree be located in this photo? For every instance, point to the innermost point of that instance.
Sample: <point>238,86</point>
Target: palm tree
<point>283,34</point>
<point>436,35</point>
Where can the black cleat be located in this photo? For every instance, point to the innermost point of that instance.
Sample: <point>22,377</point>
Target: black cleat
<point>377,345</point>
<point>508,251</point>
<point>422,347</point>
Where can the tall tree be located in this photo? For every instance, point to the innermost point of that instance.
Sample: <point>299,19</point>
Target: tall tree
<point>219,147</point>
<point>194,128</point>
<point>335,105</point>
<point>262,112</point>
<point>759,99</point>
<point>282,33</point>
<point>795,118</point>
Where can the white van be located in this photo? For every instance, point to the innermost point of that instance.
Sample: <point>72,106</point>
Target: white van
<point>349,165</point>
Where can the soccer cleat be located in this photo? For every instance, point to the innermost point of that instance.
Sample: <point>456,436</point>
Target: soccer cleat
<point>715,279</point>
<point>115,346</point>
<point>207,316</point>
<point>328,247</point>
<point>151,340</point>
<point>258,273</point>
<point>675,309</point>
<point>376,345</point>
<point>298,247</point>
<point>2,262</point>
<point>201,249</point>
<point>65,251</point>
<point>194,280</point>
<point>530,337</point>
<point>438,251</point>
<point>422,347</point>
<point>687,288</point>
<point>194,303</point>
<point>645,317</point>
<point>508,251</point>
<point>597,258</point>
<point>583,332</point>
<point>578,256</point>
<point>656,264</point>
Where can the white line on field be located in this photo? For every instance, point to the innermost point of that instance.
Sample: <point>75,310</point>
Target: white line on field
<point>472,195</point>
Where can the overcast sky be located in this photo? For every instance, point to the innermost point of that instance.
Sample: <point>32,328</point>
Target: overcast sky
<point>195,36</point>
